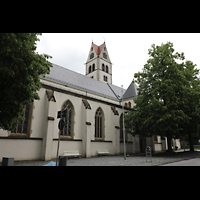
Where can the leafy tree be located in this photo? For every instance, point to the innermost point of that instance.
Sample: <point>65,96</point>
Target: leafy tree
<point>162,106</point>
<point>191,105</point>
<point>20,68</point>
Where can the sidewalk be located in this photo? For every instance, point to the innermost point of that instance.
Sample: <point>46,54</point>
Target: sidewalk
<point>179,158</point>
<point>190,162</point>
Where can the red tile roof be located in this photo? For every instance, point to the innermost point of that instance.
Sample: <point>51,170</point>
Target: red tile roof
<point>98,48</point>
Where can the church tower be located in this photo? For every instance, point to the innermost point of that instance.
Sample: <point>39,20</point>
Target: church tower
<point>98,65</point>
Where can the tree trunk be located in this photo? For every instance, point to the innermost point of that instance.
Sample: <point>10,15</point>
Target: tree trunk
<point>191,142</point>
<point>169,143</point>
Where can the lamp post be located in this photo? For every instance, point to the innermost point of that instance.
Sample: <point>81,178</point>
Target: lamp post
<point>123,126</point>
<point>61,124</point>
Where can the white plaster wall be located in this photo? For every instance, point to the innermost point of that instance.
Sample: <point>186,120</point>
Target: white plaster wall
<point>39,117</point>
<point>65,146</point>
<point>20,149</point>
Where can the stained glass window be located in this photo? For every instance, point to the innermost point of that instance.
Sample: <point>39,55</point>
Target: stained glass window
<point>67,129</point>
<point>22,125</point>
<point>99,123</point>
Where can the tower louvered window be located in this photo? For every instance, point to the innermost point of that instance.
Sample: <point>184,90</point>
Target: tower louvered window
<point>103,68</point>
<point>90,69</point>
<point>107,69</point>
<point>91,55</point>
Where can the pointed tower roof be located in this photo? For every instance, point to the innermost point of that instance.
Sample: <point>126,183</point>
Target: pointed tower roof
<point>98,49</point>
<point>131,92</point>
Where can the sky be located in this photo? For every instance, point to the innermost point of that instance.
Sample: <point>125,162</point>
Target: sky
<point>128,52</point>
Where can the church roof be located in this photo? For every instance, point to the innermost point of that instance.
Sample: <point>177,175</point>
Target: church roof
<point>131,92</point>
<point>98,49</point>
<point>73,79</point>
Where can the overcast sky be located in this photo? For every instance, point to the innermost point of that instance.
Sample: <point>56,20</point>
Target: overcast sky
<point>128,51</point>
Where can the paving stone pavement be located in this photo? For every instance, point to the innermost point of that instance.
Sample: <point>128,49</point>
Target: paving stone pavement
<point>132,160</point>
<point>119,161</point>
<point>190,162</point>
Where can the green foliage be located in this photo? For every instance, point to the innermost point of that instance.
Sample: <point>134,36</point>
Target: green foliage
<point>168,95</point>
<point>191,105</point>
<point>20,68</point>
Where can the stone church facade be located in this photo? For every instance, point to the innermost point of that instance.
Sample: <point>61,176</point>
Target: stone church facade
<point>93,118</point>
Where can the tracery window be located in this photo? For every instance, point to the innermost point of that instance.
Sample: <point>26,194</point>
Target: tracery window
<point>99,123</point>
<point>22,126</point>
<point>68,119</point>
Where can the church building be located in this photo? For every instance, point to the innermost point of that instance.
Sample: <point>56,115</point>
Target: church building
<point>93,120</point>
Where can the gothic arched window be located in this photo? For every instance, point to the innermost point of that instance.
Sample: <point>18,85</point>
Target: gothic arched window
<point>105,78</point>
<point>90,69</point>
<point>99,124</point>
<point>68,119</point>
<point>93,67</point>
<point>107,69</point>
<point>22,125</point>
<point>103,68</point>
